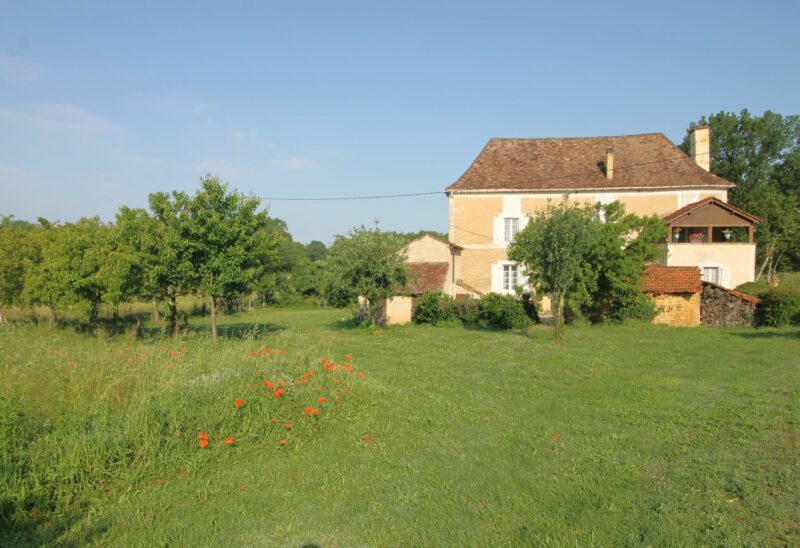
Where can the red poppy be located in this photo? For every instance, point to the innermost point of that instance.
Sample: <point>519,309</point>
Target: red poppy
<point>279,392</point>
<point>337,399</point>
<point>72,364</point>
<point>361,375</point>
<point>204,443</point>
<point>297,382</point>
<point>319,389</point>
<point>238,403</point>
<point>307,410</point>
<point>283,442</point>
<point>288,425</point>
<point>347,356</point>
<point>322,400</point>
<point>267,383</point>
<point>229,441</point>
<point>273,420</point>
<point>323,360</point>
<point>202,436</point>
<point>315,411</point>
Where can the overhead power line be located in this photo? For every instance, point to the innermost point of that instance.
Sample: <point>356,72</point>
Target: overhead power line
<point>330,199</point>
<point>407,195</point>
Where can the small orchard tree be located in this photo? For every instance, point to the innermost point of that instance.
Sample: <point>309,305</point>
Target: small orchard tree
<point>167,251</point>
<point>553,247</point>
<point>14,251</point>
<point>366,262</point>
<point>228,243</point>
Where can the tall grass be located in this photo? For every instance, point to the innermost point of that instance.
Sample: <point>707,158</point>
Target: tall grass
<point>82,419</point>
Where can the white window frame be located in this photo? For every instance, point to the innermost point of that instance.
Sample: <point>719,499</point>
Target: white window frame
<point>504,285</point>
<point>716,269</point>
<point>510,228</point>
<point>724,274</point>
<point>511,277</point>
<point>604,199</point>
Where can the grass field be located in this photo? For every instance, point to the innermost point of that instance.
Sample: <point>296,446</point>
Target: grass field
<point>620,435</point>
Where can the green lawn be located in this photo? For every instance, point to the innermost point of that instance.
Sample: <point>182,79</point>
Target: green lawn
<point>620,435</point>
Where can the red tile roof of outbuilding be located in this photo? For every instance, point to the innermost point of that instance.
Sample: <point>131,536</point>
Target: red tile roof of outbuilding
<point>424,277</point>
<point>672,279</point>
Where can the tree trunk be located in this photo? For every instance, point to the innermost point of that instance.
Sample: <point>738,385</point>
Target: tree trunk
<point>558,313</point>
<point>213,319</point>
<point>155,317</point>
<point>3,318</point>
<point>173,315</point>
<point>51,316</point>
<point>136,326</point>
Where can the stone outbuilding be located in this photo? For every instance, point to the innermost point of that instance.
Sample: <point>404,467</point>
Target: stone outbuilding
<point>725,307</point>
<point>676,292</point>
<point>433,265</point>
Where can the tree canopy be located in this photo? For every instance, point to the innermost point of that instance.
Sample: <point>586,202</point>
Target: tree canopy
<point>590,259</point>
<point>761,154</point>
<point>366,262</point>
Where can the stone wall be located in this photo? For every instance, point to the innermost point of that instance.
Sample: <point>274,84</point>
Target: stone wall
<point>679,309</point>
<point>725,308</point>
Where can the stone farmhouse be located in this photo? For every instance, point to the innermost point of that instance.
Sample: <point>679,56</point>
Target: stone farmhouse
<point>511,179</point>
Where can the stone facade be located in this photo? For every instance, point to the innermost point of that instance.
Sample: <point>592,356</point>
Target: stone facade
<point>721,307</point>
<point>678,309</point>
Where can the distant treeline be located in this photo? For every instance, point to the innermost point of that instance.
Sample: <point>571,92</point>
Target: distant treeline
<point>218,244</point>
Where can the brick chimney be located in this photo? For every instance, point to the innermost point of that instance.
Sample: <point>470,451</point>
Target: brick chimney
<point>610,163</point>
<point>700,146</point>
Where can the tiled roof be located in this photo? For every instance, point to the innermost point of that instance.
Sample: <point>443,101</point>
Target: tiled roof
<point>438,239</point>
<point>424,277</point>
<point>646,161</point>
<point>743,296</point>
<point>468,287</point>
<point>678,213</point>
<point>672,279</point>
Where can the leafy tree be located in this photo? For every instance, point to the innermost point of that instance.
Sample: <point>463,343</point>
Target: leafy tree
<point>165,250</point>
<point>279,284</point>
<point>761,154</point>
<point>71,267</point>
<point>366,262</point>
<point>316,251</point>
<point>15,250</point>
<point>608,286</point>
<point>554,247</point>
<point>228,242</point>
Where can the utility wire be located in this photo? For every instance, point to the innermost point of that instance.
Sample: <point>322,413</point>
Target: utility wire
<point>545,179</point>
<point>350,197</point>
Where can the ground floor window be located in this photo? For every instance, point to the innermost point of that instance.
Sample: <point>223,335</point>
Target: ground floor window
<point>510,277</point>
<point>711,274</point>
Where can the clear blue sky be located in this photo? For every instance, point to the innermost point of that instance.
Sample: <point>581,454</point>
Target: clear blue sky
<point>102,103</point>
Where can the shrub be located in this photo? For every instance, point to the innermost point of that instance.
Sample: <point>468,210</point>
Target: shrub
<point>502,312</point>
<point>434,307</point>
<point>779,307</point>
<point>531,307</point>
<point>635,306</point>
<point>467,311</point>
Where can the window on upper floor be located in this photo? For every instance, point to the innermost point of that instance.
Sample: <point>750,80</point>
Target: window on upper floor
<point>511,228</point>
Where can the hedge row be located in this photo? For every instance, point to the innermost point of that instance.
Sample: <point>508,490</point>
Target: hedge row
<point>493,310</point>
<point>779,307</point>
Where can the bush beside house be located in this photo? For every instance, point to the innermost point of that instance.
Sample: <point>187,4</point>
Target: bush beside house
<point>779,307</point>
<point>493,311</point>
